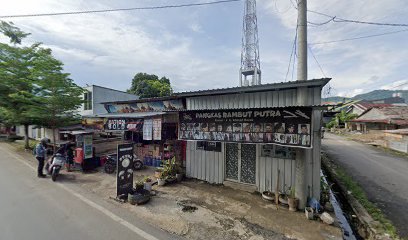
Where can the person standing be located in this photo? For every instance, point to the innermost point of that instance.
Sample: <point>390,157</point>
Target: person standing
<point>70,157</point>
<point>40,155</point>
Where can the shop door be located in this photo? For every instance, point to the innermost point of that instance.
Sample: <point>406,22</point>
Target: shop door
<point>241,162</point>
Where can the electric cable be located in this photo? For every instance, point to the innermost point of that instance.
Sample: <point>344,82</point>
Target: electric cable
<point>318,64</point>
<point>337,19</point>
<point>291,53</point>
<point>361,37</point>
<point>118,9</point>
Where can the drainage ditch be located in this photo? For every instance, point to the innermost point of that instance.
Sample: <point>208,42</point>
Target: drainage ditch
<point>343,211</point>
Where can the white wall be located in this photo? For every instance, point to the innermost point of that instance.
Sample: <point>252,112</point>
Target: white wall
<point>100,95</point>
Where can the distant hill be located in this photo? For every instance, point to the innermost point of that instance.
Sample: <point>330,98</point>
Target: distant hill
<point>335,99</point>
<point>379,94</point>
<point>373,95</point>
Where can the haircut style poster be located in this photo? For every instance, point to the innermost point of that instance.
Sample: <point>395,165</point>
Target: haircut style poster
<point>285,126</point>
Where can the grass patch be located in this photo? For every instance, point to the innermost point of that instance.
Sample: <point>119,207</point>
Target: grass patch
<point>19,145</point>
<point>358,193</point>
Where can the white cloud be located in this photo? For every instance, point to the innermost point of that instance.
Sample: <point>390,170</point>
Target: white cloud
<point>195,27</point>
<point>107,49</point>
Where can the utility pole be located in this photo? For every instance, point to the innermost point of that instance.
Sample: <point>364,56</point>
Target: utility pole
<point>303,156</point>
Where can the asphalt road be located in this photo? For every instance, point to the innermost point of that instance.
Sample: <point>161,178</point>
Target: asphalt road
<point>33,208</point>
<point>383,176</point>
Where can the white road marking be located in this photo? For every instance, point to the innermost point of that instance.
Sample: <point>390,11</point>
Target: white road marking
<point>98,207</point>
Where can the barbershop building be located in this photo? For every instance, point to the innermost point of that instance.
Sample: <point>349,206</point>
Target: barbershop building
<point>255,136</point>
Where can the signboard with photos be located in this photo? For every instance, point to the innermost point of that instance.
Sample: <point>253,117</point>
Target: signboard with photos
<point>290,126</point>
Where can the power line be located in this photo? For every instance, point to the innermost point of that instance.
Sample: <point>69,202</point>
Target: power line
<point>337,19</point>
<point>399,85</point>
<point>361,37</point>
<point>291,54</point>
<point>118,9</point>
<point>318,64</point>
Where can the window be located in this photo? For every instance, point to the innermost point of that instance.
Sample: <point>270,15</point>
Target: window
<point>88,101</point>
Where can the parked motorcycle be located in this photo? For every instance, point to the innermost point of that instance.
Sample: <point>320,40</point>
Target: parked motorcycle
<point>54,166</point>
<point>111,159</point>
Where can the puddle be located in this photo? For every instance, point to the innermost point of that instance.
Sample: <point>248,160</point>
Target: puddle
<point>185,207</point>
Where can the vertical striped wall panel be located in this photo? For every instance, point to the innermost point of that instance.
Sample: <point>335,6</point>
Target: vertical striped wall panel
<point>204,165</point>
<point>210,166</point>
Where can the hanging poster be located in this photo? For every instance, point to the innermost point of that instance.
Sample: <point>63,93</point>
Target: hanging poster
<point>148,129</point>
<point>285,126</point>
<point>88,151</point>
<point>124,173</point>
<point>157,128</point>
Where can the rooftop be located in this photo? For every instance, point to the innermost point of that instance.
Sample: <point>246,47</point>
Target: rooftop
<point>257,88</point>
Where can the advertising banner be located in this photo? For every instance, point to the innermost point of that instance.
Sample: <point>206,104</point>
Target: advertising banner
<point>124,173</point>
<point>124,124</point>
<point>88,150</point>
<point>169,105</point>
<point>285,126</point>
<point>148,129</point>
<point>157,127</point>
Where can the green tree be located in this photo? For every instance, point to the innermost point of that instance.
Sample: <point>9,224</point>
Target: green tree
<point>149,85</point>
<point>60,96</point>
<point>341,118</point>
<point>17,97</point>
<point>33,88</point>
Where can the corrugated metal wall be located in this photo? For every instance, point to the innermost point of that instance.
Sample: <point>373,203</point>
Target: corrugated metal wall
<point>252,100</point>
<point>205,165</point>
<point>210,166</point>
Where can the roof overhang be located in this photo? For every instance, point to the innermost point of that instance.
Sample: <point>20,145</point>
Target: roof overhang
<point>257,88</point>
<point>126,115</point>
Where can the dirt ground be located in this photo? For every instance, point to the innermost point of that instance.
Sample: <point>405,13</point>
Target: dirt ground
<point>198,210</point>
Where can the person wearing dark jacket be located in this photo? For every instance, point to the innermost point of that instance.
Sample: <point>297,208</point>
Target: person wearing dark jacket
<point>40,155</point>
<point>70,157</point>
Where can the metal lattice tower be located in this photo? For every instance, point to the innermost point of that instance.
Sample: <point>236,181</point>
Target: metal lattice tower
<point>250,64</point>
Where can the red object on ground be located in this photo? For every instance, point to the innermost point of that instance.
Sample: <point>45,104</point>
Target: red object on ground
<point>79,155</point>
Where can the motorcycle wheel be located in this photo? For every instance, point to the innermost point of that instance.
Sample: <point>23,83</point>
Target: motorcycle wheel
<point>109,168</point>
<point>137,165</point>
<point>54,174</point>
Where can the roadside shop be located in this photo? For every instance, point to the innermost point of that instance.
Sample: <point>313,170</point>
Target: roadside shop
<point>258,137</point>
<point>151,124</point>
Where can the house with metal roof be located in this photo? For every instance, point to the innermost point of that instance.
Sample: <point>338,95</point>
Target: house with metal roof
<point>381,118</point>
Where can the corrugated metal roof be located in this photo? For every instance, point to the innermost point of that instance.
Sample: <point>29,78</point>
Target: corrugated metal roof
<point>252,108</point>
<point>145,100</point>
<point>126,115</point>
<point>257,88</point>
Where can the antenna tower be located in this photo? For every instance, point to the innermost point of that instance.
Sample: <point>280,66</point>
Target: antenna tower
<point>250,64</point>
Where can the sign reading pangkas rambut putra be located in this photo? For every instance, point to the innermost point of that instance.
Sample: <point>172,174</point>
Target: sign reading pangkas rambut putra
<point>284,126</point>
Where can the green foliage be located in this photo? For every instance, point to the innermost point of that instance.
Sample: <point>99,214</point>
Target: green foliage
<point>149,85</point>
<point>358,193</point>
<point>33,87</point>
<point>169,168</point>
<point>341,118</point>
<point>13,33</point>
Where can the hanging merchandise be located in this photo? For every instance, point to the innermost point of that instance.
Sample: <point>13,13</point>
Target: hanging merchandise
<point>148,129</point>
<point>157,123</point>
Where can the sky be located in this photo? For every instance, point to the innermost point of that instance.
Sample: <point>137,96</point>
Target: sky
<point>199,47</point>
